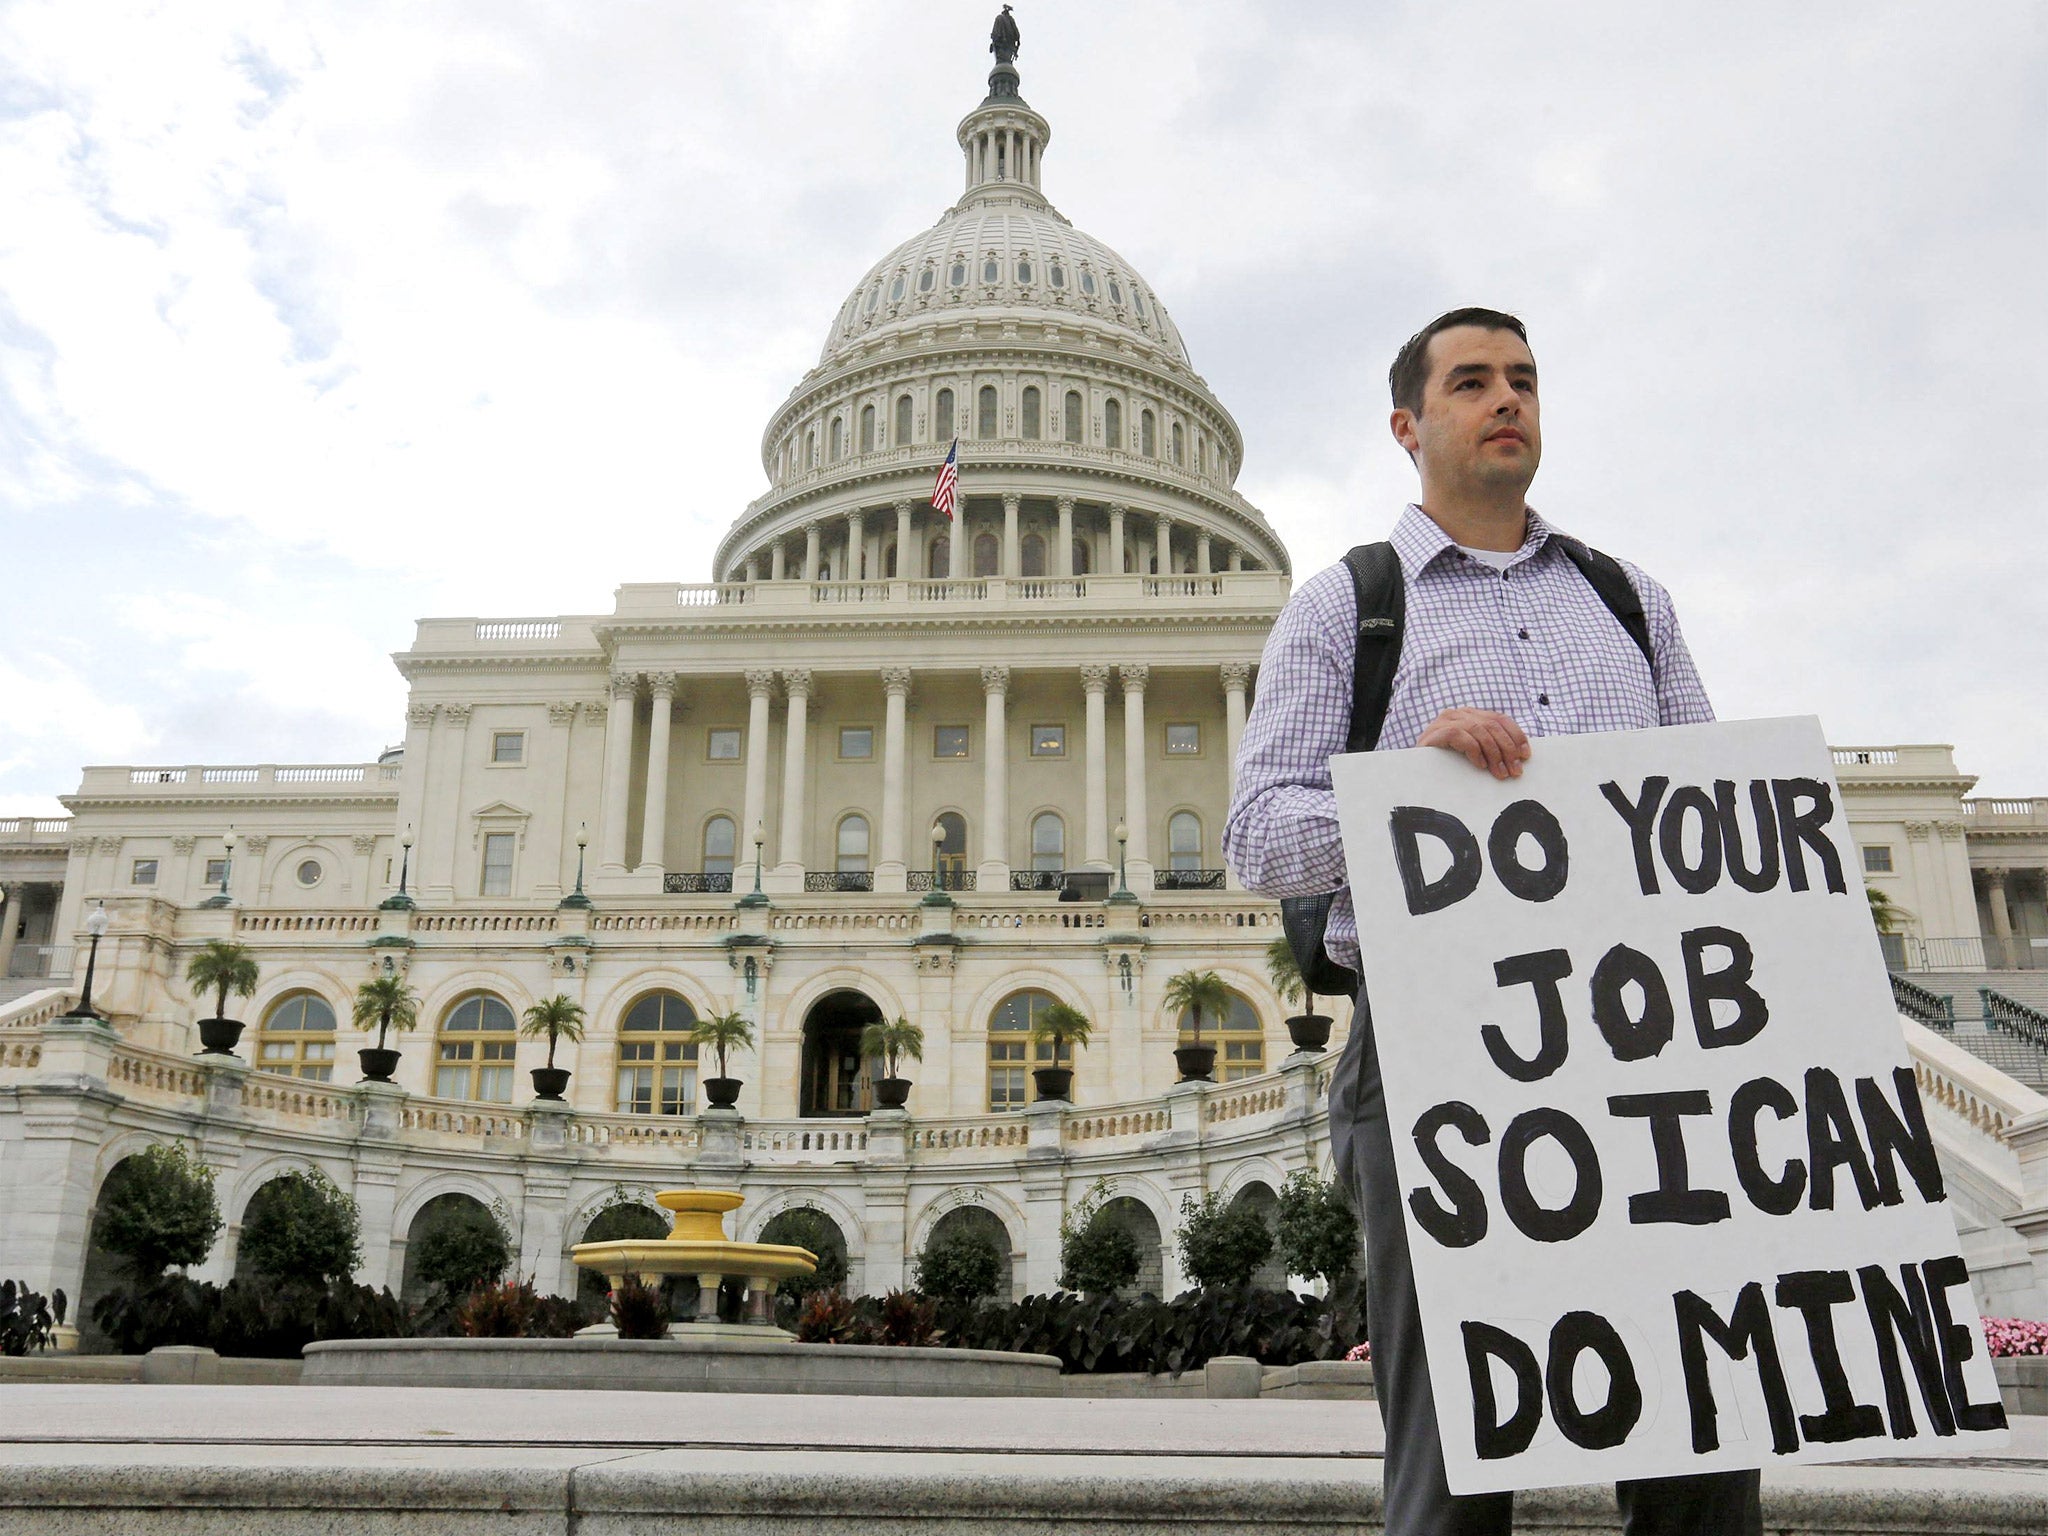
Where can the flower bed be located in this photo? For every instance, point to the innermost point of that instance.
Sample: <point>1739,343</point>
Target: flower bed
<point>2008,1337</point>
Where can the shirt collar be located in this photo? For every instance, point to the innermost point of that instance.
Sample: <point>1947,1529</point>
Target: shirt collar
<point>1417,540</point>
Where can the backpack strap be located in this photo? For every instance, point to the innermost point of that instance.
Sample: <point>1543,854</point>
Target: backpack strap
<point>1382,598</point>
<point>1610,582</point>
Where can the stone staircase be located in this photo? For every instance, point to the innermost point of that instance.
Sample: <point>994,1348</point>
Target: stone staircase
<point>2018,1049</point>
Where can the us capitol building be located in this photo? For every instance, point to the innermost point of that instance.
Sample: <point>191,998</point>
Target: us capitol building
<point>885,765</point>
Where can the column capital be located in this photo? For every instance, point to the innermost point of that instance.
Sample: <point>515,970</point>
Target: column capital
<point>1117,510</point>
<point>662,684</point>
<point>187,844</point>
<point>896,681</point>
<point>421,714</point>
<point>561,711</point>
<point>1065,505</point>
<point>904,506</point>
<point>1237,675</point>
<point>255,842</point>
<point>1163,519</point>
<point>456,714</point>
<point>595,710</point>
<point>760,682</point>
<point>995,679</point>
<point>1011,503</point>
<point>625,685</point>
<point>1095,677</point>
<point>1918,830</point>
<point>1133,676</point>
<point>1994,874</point>
<point>796,682</point>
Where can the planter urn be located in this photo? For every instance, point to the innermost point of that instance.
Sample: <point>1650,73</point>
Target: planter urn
<point>891,1092</point>
<point>377,1065</point>
<point>721,1092</point>
<point>1196,1062</point>
<point>1309,1031</point>
<point>218,1036</point>
<point>548,1083</point>
<point>1053,1082</point>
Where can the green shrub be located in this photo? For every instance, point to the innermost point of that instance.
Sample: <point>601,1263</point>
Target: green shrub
<point>960,1265</point>
<point>1221,1244</point>
<point>909,1320</point>
<point>640,1310</point>
<point>801,1227</point>
<point>265,1319</point>
<point>462,1248</point>
<point>513,1310</point>
<point>158,1209</point>
<point>1098,1256</point>
<point>28,1319</point>
<point>1317,1234</point>
<point>302,1225</point>
<point>828,1317</point>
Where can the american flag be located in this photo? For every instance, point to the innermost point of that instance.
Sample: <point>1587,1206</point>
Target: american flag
<point>948,481</point>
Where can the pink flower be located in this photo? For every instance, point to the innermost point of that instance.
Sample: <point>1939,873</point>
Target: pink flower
<point>1364,1351</point>
<point>2006,1337</point>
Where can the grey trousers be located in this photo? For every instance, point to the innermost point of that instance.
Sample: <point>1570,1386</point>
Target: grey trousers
<point>1418,1500</point>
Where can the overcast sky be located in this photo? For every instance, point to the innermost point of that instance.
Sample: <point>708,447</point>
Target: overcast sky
<point>315,319</point>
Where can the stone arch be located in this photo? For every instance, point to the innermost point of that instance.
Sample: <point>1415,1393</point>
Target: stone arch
<point>852,1223</point>
<point>619,999</point>
<point>844,978</point>
<point>1138,1218</point>
<point>604,1221</point>
<point>833,1077</point>
<point>995,1201</point>
<point>99,1270</point>
<point>411,1286</point>
<point>285,889</point>
<point>249,1189</point>
<point>981,1008</point>
<point>833,1247</point>
<point>1261,1197</point>
<point>433,1184</point>
<point>327,984</point>
<point>975,1218</point>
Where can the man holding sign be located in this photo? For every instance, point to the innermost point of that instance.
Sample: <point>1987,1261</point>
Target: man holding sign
<point>1503,629</point>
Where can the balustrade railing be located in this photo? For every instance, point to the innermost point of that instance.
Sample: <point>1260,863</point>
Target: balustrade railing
<point>686,882</point>
<point>1934,1009</point>
<point>40,962</point>
<point>2014,1017</point>
<point>519,629</point>
<point>840,880</point>
<point>33,828</point>
<point>1037,879</point>
<point>1189,880</point>
<point>940,880</point>
<point>1972,952</point>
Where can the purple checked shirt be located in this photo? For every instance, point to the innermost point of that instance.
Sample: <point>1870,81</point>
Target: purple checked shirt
<point>1532,642</point>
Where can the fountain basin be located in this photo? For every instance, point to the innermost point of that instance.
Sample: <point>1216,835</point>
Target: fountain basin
<point>698,1247</point>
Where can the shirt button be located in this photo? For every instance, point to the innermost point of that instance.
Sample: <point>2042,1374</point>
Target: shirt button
<point>1521,634</point>
<point>1542,698</point>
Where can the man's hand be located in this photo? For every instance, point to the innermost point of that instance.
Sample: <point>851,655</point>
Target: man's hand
<point>1487,740</point>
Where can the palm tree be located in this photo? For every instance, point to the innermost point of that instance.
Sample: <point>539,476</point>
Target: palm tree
<point>1288,983</point>
<point>723,1032</point>
<point>1197,993</point>
<point>220,968</point>
<point>1063,1026</point>
<point>1887,914</point>
<point>389,1001</point>
<point>558,1017</point>
<point>892,1040</point>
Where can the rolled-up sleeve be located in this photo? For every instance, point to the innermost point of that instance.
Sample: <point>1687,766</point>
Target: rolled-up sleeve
<point>1281,836</point>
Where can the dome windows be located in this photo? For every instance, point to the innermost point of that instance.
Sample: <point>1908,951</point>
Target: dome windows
<point>867,427</point>
<point>837,440</point>
<point>897,289</point>
<point>985,412</point>
<point>1032,411</point>
<point>1116,294</point>
<point>942,417</point>
<point>1180,445</point>
<point>1023,269</point>
<point>958,276</point>
<point>1148,435</point>
<point>1074,416</point>
<point>1088,282</point>
<point>1138,301</point>
<point>991,269</point>
<point>927,280</point>
<point>1113,423</point>
<point>874,297</point>
<point>903,409</point>
<point>1056,275</point>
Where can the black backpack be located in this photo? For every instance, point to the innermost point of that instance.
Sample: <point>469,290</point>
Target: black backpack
<point>1382,611</point>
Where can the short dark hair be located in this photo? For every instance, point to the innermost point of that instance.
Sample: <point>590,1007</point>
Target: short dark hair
<point>1411,364</point>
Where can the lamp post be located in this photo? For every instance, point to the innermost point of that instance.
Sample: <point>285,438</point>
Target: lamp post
<point>95,925</point>
<point>227,863</point>
<point>937,897</point>
<point>755,897</point>
<point>401,902</point>
<point>1123,890</point>
<point>576,898</point>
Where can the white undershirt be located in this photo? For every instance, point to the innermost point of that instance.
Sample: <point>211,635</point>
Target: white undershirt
<point>1497,558</point>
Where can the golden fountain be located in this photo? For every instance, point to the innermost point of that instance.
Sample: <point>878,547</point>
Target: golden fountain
<point>697,1246</point>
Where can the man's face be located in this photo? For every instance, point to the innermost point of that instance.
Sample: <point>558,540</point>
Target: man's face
<point>1479,427</point>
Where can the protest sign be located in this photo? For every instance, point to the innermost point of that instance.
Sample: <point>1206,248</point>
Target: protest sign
<point>1672,1202</point>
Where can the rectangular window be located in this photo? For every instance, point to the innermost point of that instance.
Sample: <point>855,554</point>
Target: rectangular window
<point>856,743</point>
<point>497,864</point>
<point>1243,1058</point>
<point>723,744</point>
<point>508,746</point>
<point>217,871</point>
<point>1048,741</point>
<point>142,872</point>
<point>949,741</point>
<point>1877,859</point>
<point>1183,741</point>
<point>1005,1080</point>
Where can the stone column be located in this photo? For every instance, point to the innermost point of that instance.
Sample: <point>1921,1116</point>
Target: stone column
<point>856,545</point>
<point>654,812</point>
<point>1013,546</point>
<point>1163,528</point>
<point>1137,818</point>
<point>778,567</point>
<point>1236,558</point>
<point>1095,684</point>
<point>10,921</point>
<point>754,568</point>
<point>995,781</point>
<point>618,747</point>
<point>365,846</point>
<point>811,537</point>
<point>956,544</point>
<point>412,770</point>
<point>1237,676</point>
<point>2001,921</point>
<point>1202,553</point>
<point>1063,559</point>
<point>438,875</point>
<point>796,685</point>
<point>1116,540</point>
<point>908,564</point>
<point>896,687</point>
<point>760,684</point>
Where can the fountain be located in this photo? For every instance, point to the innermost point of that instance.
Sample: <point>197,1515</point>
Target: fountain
<point>697,1246</point>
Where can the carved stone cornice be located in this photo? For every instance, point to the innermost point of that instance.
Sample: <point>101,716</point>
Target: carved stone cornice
<point>995,679</point>
<point>896,681</point>
<point>1134,676</point>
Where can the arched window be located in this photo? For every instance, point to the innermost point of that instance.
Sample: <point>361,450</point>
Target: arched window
<point>896,288</point>
<point>853,844</point>
<point>1180,444</point>
<point>926,279</point>
<point>1011,1051</point>
<point>1184,841</point>
<point>1112,423</point>
<point>903,420</point>
<point>1076,418</point>
<point>657,1060</point>
<point>1202,453</point>
<point>938,558</point>
<point>1023,269</point>
<point>889,559</point>
<point>1033,555</point>
<point>810,450</point>
<point>721,842</point>
<point>1239,1039</point>
<point>985,412</point>
<point>867,429</point>
<point>1056,274</point>
<point>479,1038</point>
<point>942,418</point>
<point>297,1037</point>
<point>1030,409</point>
<point>992,269</point>
<point>1048,841</point>
<point>1088,282</point>
<point>837,440</point>
<point>952,850</point>
<point>1148,435</point>
<point>985,554</point>
<point>1081,557</point>
<point>957,276</point>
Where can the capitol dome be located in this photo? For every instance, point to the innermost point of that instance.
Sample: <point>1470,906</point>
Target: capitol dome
<point>1046,360</point>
